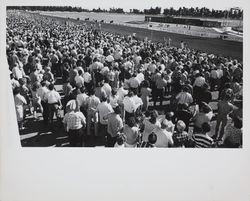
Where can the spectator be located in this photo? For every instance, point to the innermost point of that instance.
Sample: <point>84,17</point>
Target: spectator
<point>164,138</point>
<point>74,121</point>
<point>180,137</point>
<point>115,126</point>
<point>202,139</point>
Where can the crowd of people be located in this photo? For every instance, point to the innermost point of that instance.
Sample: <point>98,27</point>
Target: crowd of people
<point>109,81</point>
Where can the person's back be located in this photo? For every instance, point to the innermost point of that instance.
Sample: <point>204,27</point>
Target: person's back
<point>224,108</point>
<point>103,109</point>
<point>202,139</point>
<point>149,127</point>
<point>164,138</point>
<point>100,92</point>
<point>131,134</point>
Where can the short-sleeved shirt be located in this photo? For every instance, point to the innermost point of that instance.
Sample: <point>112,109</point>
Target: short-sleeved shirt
<point>184,97</point>
<point>74,120</point>
<point>103,109</point>
<point>199,81</point>
<point>82,99</point>
<point>202,140</point>
<point>164,138</point>
<point>87,77</point>
<point>93,102</point>
<point>161,83</point>
<point>53,97</point>
<point>131,134</point>
<point>115,124</point>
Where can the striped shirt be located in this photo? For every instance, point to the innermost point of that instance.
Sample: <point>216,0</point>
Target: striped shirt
<point>202,140</point>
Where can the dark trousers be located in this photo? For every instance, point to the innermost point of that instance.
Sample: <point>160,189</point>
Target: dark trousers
<point>45,111</point>
<point>111,141</point>
<point>158,94</point>
<point>102,133</point>
<point>76,138</point>
<point>53,109</point>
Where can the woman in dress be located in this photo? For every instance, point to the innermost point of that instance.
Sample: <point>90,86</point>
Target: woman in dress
<point>19,102</point>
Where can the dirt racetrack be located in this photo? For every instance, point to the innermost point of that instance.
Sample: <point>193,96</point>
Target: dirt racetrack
<point>211,45</point>
<point>215,46</point>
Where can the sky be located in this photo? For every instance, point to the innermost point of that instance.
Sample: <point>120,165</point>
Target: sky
<point>142,4</point>
<point>138,4</point>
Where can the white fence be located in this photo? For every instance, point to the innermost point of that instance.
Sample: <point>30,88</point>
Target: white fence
<point>203,32</point>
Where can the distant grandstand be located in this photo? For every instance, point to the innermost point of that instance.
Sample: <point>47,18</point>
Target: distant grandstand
<point>184,21</point>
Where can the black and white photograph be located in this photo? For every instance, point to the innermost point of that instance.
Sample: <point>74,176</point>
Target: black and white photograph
<point>150,77</point>
<point>82,81</point>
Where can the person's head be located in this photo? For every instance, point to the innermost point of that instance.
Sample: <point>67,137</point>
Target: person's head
<point>204,107</point>
<point>131,122</point>
<point>114,91</point>
<point>51,87</point>
<point>205,127</point>
<point>117,110</point>
<point>130,93</point>
<point>169,116</point>
<point>82,89</point>
<point>153,117</point>
<point>36,86</point>
<point>104,98</point>
<point>22,81</point>
<point>228,94</point>
<point>180,126</point>
<point>120,140</point>
<point>80,72</point>
<point>152,138</point>
<point>79,63</point>
<point>43,83</point>
<point>91,92</point>
<point>164,124</point>
<point>237,122</point>
<point>16,90</point>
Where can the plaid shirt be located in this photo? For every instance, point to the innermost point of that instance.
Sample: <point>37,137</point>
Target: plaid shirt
<point>180,139</point>
<point>74,120</point>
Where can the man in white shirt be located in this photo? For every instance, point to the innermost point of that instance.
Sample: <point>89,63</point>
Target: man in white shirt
<point>17,72</point>
<point>54,102</point>
<point>42,94</point>
<point>131,104</point>
<point>79,79</point>
<point>164,138</point>
<point>74,121</point>
<point>184,97</point>
<point>107,88</point>
<point>81,100</point>
<point>87,80</point>
<point>103,109</point>
<point>134,82</point>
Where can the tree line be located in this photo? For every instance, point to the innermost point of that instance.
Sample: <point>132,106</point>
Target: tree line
<point>64,8</point>
<point>182,11</point>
